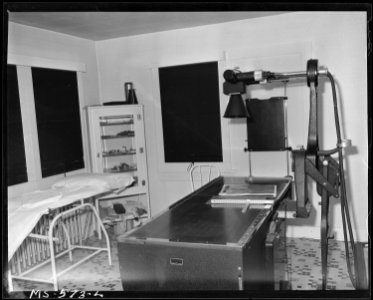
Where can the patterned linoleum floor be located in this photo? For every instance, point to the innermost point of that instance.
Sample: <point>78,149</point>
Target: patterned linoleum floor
<point>304,269</point>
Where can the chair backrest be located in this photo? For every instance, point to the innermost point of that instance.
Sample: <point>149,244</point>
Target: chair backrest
<point>202,174</point>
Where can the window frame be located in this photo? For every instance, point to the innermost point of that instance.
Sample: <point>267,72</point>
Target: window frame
<point>29,123</point>
<point>7,106</point>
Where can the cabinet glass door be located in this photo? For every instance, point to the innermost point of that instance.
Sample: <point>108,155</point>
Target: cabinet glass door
<point>118,143</point>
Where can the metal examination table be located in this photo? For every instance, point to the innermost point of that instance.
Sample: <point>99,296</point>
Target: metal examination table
<point>197,246</point>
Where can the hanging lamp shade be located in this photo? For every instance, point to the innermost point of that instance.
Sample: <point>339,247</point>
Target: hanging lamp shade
<point>236,108</point>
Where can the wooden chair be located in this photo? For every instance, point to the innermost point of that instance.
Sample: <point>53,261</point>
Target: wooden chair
<point>202,174</point>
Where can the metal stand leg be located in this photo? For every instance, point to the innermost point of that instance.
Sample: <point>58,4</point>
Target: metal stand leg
<point>324,239</point>
<point>330,172</point>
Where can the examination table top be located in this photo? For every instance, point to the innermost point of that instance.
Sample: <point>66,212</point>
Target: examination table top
<point>193,219</point>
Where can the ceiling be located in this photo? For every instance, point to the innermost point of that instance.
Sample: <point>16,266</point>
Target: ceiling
<point>99,26</point>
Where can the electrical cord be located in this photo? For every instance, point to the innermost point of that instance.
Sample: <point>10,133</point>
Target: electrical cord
<point>344,202</point>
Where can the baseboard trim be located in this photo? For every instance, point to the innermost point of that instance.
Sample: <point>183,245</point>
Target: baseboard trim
<point>314,233</point>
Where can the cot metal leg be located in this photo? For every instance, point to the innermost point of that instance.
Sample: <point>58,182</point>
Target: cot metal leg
<point>102,227</point>
<point>10,281</point>
<point>68,241</point>
<point>97,203</point>
<point>53,258</point>
<point>87,226</point>
<point>70,247</point>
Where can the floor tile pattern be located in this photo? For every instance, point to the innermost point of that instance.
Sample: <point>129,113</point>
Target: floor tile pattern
<point>303,266</point>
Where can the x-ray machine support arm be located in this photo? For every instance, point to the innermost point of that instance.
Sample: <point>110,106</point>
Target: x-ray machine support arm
<point>318,164</point>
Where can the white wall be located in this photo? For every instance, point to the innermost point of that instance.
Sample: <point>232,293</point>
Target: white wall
<point>336,39</point>
<point>29,44</point>
<point>35,42</point>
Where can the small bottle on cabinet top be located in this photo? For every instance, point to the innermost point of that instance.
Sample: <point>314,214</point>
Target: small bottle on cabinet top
<point>127,87</point>
<point>132,99</point>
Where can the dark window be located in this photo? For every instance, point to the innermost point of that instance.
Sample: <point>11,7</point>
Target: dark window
<point>16,159</point>
<point>58,120</point>
<point>191,113</point>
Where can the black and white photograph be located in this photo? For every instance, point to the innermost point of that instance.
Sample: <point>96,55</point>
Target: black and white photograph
<point>184,149</point>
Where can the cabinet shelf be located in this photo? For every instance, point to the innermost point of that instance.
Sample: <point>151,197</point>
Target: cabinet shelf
<point>124,134</point>
<point>106,123</point>
<point>111,170</point>
<point>120,153</point>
